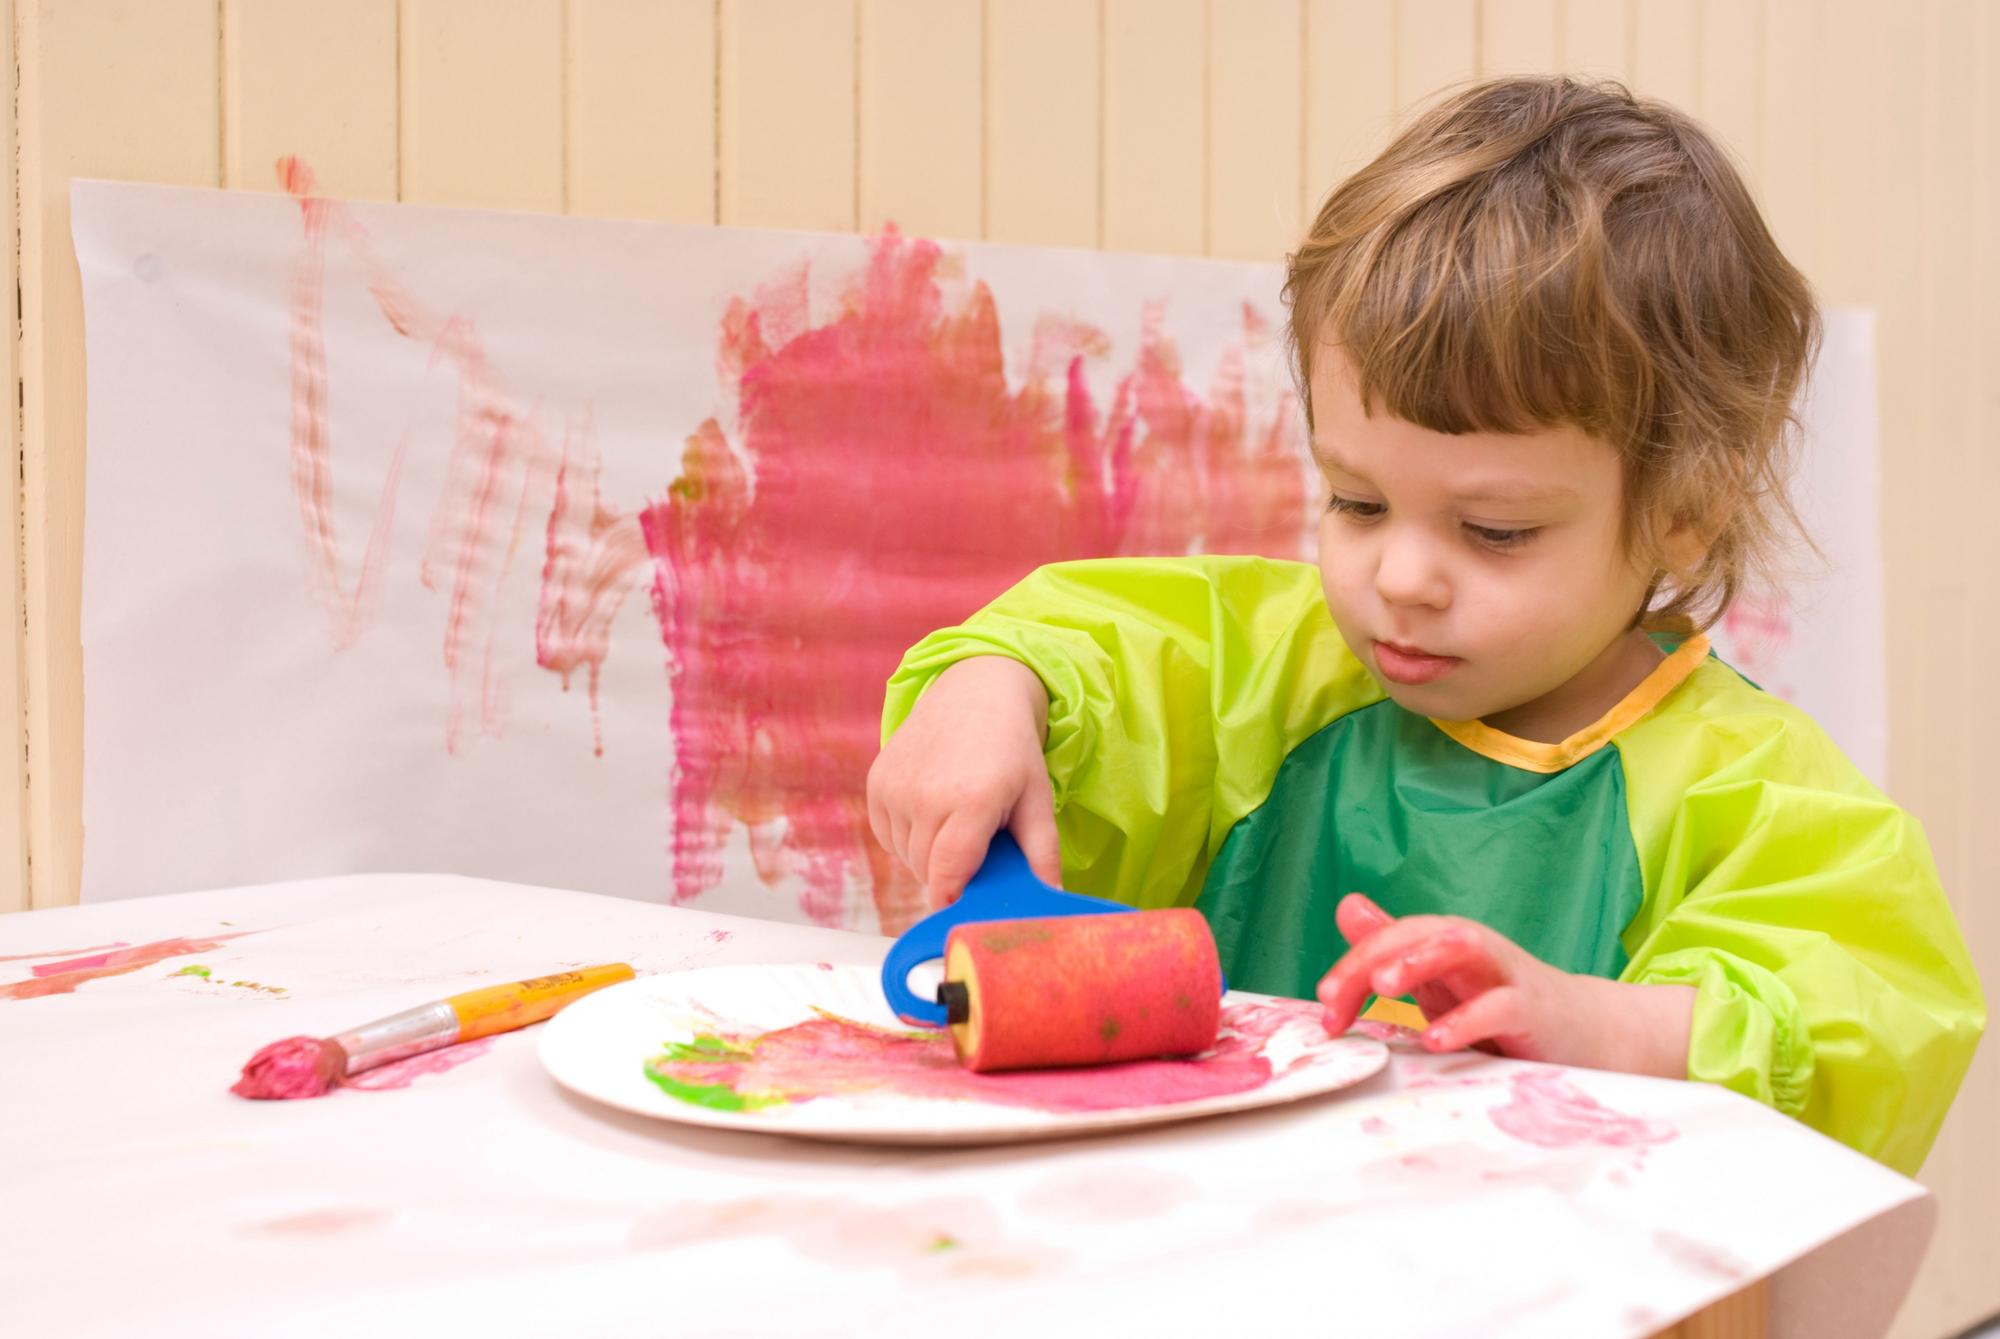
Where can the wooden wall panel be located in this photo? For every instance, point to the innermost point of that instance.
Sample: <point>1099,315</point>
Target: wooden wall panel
<point>785,86</point>
<point>13,680</point>
<point>1666,51</point>
<point>316,80</point>
<point>1437,44</point>
<point>1597,38</point>
<point>1350,90</point>
<point>1155,126</point>
<point>1519,36</point>
<point>1043,121</point>
<point>921,143</point>
<point>640,109</point>
<point>482,103</point>
<point>1255,127</point>
<point>116,88</point>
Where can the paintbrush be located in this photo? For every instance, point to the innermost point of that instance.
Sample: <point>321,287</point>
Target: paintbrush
<point>313,1066</point>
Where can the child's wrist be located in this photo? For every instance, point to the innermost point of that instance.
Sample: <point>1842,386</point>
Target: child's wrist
<point>1639,1029</point>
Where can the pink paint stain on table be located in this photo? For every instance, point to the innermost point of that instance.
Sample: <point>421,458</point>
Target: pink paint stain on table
<point>403,1073</point>
<point>832,1056</point>
<point>1548,1110</point>
<point>60,978</point>
<point>60,952</point>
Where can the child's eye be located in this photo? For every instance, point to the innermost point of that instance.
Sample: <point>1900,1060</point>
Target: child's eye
<point>1360,511</point>
<point>1501,539</point>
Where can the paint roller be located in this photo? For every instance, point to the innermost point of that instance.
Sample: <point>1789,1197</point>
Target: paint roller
<point>1036,978</point>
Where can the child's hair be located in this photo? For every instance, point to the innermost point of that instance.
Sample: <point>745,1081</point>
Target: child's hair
<point>1539,251</point>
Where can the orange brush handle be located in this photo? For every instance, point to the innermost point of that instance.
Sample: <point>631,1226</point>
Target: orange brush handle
<point>481,1013</point>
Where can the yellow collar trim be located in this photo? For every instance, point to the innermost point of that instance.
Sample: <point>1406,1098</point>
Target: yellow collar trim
<point>1533,756</point>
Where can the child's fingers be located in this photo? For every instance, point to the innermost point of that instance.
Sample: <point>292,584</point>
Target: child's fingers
<point>1358,917</point>
<point>1493,1015</point>
<point>1033,824</point>
<point>1455,950</point>
<point>1347,987</point>
<point>956,852</point>
<point>918,840</point>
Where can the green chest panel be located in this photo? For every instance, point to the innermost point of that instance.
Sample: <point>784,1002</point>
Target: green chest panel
<point>1384,803</point>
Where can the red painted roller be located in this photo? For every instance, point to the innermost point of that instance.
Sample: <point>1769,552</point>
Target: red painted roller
<point>1082,990</point>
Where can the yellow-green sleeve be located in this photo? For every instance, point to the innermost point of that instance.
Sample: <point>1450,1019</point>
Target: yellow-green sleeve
<point>1176,687</point>
<point>1804,908</point>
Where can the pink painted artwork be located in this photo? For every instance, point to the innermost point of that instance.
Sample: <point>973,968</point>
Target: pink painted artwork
<point>1547,1109</point>
<point>832,1056</point>
<point>880,470</point>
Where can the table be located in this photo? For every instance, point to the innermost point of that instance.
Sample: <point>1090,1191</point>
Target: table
<point>141,1197</point>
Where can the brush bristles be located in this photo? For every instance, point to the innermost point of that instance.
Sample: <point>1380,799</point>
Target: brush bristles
<point>294,1067</point>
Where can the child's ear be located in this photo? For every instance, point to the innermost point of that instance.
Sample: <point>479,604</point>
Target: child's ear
<point>1685,546</point>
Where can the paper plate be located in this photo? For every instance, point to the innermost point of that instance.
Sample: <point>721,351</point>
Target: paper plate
<point>813,1051</point>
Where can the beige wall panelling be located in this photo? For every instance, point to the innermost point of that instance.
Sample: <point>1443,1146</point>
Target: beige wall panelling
<point>1666,50</point>
<point>921,153</point>
<point>1156,126</point>
<point>640,90</point>
<point>482,90</point>
<point>317,80</point>
<point>1792,143</point>
<point>1597,38</point>
<point>1730,83</point>
<point>13,770</point>
<point>1437,44</point>
<point>1519,36</point>
<point>1042,121</point>
<point>1256,128</point>
<point>786,138</point>
<point>1953,491</point>
<point>1350,90</point>
<point>107,90</point>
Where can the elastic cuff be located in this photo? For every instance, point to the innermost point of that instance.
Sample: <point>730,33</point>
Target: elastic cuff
<point>1748,1033</point>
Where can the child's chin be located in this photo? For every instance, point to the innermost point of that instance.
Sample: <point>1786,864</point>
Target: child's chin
<point>1429,699</point>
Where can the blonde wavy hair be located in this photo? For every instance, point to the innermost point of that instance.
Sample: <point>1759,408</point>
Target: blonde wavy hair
<point>1539,251</point>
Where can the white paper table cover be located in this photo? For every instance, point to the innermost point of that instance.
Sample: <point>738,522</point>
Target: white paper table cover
<point>140,1196</point>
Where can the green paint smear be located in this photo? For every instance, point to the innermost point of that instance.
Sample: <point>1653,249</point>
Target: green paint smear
<point>714,1096</point>
<point>943,1242</point>
<point>195,969</point>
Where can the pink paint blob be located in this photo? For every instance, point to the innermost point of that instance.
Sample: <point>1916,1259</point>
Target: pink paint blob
<point>1374,1125</point>
<point>402,1073</point>
<point>832,1056</point>
<point>60,978</point>
<point>293,1068</point>
<point>1548,1110</point>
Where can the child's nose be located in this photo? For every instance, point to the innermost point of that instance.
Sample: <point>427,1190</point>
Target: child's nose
<point>1411,571</point>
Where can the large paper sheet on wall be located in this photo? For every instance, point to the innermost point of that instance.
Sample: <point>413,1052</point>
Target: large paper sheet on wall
<point>576,552</point>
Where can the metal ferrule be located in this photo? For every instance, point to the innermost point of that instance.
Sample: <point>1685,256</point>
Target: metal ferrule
<point>411,1032</point>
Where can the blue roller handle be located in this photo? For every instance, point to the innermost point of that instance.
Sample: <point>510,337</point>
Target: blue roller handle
<point>1004,889</point>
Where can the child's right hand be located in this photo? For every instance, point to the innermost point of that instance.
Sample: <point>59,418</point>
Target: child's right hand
<point>966,763</point>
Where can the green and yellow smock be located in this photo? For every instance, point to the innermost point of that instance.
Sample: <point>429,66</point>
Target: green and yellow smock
<point>1213,742</point>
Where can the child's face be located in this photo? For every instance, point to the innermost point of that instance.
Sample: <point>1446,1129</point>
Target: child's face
<point>1472,574</point>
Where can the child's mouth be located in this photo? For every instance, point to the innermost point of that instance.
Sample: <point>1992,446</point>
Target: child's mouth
<point>1408,665</point>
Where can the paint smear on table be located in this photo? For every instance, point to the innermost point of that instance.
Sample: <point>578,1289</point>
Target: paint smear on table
<point>925,1240</point>
<point>60,978</point>
<point>61,952</point>
<point>831,1056</point>
<point>1548,1110</point>
<point>403,1073</point>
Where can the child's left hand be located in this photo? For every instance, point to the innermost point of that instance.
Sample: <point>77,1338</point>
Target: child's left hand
<point>1477,986</point>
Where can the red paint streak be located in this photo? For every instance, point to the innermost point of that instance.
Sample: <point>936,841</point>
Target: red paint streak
<point>58,952</point>
<point>499,465</point>
<point>60,978</point>
<point>1548,1110</point>
<point>900,483</point>
<point>402,1073</point>
<point>594,558</point>
<point>719,936</point>
<point>832,1056</point>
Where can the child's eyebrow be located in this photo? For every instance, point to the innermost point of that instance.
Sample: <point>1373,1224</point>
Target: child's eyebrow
<point>1510,491</point>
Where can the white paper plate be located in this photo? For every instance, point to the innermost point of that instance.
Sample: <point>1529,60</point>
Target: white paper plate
<point>698,1030</point>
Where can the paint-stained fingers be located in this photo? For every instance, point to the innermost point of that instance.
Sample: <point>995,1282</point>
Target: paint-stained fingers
<point>1347,987</point>
<point>1358,917</point>
<point>1460,952</point>
<point>956,853</point>
<point>1033,824</point>
<point>1498,1015</point>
